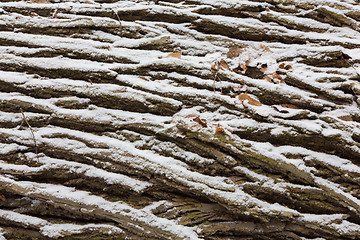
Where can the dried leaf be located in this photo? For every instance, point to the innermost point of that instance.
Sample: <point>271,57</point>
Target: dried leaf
<point>287,105</point>
<point>288,67</point>
<point>174,55</point>
<point>346,118</point>
<point>268,78</point>
<point>143,78</point>
<point>285,66</point>
<point>243,66</point>
<point>352,85</point>
<point>263,68</point>
<point>214,67</point>
<point>251,101</point>
<point>40,1</point>
<point>282,66</point>
<point>200,121</point>
<point>264,47</point>
<point>90,81</point>
<point>2,198</point>
<point>276,75</point>
<point>219,129</point>
<point>223,65</point>
<point>234,52</point>
<point>54,14</point>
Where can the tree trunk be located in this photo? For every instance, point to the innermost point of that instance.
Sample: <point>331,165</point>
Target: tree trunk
<point>192,119</point>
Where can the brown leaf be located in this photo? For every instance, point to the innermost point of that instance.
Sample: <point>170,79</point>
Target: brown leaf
<point>2,198</point>
<point>263,68</point>
<point>352,85</point>
<point>346,118</point>
<point>214,67</point>
<point>262,46</point>
<point>251,101</point>
<point>90,81</point>
<point>288,67</point>
<point>267,78</point>
<point>243,66</point>
<point>285,66</point>
<point>174,55</point>
<point>40,1</point>
<point>287,105</point>
<point>54,14</point>
<point>282,66</point>
<point>234,52</point>
<point>276,75</point>
<point>223,65</point>
<point>219,129</point>
<point>200,121</point>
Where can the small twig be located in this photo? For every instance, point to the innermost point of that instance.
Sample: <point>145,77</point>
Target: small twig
<point>32,133</point>
<point>214,84</point>
<point>121,27</point>
<point>216,74</point>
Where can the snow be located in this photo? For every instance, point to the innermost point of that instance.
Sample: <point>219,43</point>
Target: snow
<point>59,230</point>
<point>90,202</point>
<point>54,230</point>
<point>78,168</point>
<point>12,147</point>
<point>137,70</point>
<point>2,234</point>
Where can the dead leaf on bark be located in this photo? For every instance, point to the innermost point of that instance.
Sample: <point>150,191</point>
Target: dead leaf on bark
<point>174,55</point>
<point>276,75</point>
<point>223,65</point>
<point>243,66</point>
<point>267,78</point>
<point>2,198</point>
<point>346,118</point>
<point>287,105</point>
<point>263,68</point>
<point>285,66</point>
<point>251,101</point>
<point>214,67</point>
<point>54,14</point>
<point>200,121</point>
<point>234,52</point>
<point>262,46</point>
<point>40,1</point>
<point>221,129</point>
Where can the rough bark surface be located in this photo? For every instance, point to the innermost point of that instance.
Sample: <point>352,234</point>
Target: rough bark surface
<point>192,119</point>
